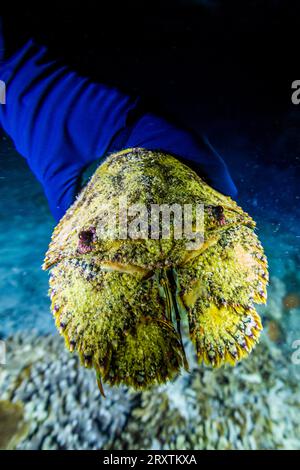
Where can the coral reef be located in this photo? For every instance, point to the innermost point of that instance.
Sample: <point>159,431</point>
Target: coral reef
<point>61,402</point>
<point>253,406</point>
<point>244,408</point>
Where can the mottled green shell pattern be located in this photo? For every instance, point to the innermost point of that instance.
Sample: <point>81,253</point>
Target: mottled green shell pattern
<point>119,302</point>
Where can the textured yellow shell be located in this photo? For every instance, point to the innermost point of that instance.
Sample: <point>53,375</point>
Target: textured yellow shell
<point>119,302</point>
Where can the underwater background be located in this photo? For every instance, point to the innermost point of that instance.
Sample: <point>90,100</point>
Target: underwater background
<point>209,83</point>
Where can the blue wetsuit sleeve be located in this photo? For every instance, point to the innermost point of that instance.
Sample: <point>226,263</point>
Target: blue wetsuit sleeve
<point>61,122</point>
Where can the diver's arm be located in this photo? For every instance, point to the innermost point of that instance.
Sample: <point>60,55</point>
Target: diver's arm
<point>61,122</point>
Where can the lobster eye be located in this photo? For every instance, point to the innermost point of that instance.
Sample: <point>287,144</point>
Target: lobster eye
<point>219,210</point>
